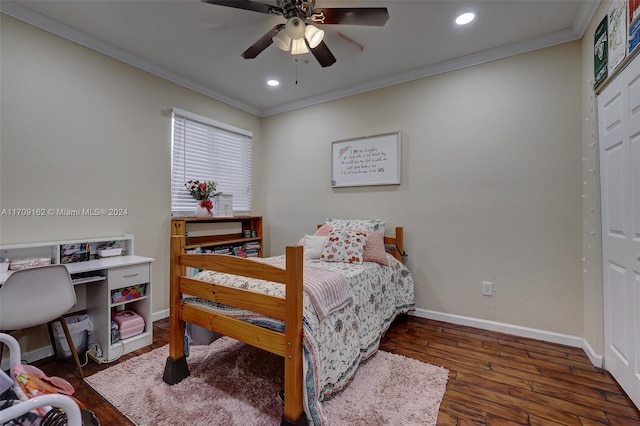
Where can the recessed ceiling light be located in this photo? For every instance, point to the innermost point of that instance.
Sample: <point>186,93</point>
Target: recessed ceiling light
<point>465,18</point>
<point>273,83</point>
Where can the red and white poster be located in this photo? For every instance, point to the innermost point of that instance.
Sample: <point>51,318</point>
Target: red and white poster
<point>633,22</point>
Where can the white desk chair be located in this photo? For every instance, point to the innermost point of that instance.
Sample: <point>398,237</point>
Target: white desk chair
<point>37,296</point>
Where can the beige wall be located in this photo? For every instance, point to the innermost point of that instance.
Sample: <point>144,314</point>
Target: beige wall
<point>491,184</point>
<point>491,157</point>
<point>81,130</point>
<point>591,239</point>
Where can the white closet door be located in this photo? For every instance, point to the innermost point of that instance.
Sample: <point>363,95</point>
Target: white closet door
<point>619,131</point>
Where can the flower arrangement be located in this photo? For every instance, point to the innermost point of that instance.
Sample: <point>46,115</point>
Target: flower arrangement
<point>202,192</point>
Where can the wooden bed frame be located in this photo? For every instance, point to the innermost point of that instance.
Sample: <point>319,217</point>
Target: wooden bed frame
<point>287,344</point>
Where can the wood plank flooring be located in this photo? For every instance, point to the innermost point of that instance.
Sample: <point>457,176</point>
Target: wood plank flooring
<point>499,379</point>
<point>494,379</point>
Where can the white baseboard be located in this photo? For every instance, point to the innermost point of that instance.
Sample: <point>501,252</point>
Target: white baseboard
<point>156,316</point>
<point>516,330</point>
<point>47,351</point>
<point>596,359</point>
<point>29,356</point>
<point>546,336</point>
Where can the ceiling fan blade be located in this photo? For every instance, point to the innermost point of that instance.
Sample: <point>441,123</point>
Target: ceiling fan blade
<point>262,43</point>
<point>374,16</point>
<point>247,5</point>
<point>323,54</point>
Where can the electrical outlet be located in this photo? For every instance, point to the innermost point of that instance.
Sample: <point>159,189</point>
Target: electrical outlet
<point>487,288</point>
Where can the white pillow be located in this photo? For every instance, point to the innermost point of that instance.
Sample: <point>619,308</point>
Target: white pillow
<point>313,245</point>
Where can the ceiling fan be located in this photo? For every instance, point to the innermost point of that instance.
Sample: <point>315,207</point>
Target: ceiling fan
<point>299,34</point>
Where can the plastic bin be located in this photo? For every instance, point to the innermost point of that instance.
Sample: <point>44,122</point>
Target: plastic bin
<point>129,323</point>
<point>200,335</point>
<point>128,293</point>
<point>79,326</point>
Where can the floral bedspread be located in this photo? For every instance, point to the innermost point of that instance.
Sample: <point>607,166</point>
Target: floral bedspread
<point>335,346</point>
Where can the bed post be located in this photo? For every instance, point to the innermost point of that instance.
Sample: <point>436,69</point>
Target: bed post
<point>293,380</point>
<point>176,367</point>
<point>400,243</point>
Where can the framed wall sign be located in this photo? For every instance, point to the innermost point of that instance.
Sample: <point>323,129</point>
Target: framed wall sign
<point>617,37</point>
<point>600,52</point>
<point>372,160</point>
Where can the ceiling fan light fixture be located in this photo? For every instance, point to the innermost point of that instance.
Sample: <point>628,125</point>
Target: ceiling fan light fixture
<point>313,35</point>
<point>295,28</point>
<point>282,41</point>
<point>298,47</point>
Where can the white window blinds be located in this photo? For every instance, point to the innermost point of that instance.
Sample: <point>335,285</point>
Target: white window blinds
<point>204,149</point>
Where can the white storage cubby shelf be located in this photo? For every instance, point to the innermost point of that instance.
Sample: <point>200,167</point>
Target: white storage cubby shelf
<point>100,294</point>
<point>97,280</point>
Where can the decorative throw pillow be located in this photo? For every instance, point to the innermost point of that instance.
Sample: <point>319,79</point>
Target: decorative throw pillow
<point>374,249</point>
<point>344,246</point>
<point>313,245</point>
<point>359,224</point>
<point>323,230</point>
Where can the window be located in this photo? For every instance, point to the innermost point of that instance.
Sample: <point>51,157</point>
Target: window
<point>204,149</point>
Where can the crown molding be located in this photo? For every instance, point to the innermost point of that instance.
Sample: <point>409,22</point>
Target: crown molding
<point>576,32</point>
<point>38,20</point>
<point>31,17</point>
<point>501,52</point>
<point>584,16</point>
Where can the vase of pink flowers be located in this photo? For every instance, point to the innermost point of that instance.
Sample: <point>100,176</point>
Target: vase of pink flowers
<point>202,191</point>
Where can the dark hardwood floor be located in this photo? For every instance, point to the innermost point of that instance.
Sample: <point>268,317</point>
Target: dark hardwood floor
<point>494,378</point>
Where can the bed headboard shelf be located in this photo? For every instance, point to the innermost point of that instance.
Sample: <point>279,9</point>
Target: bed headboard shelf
<point>211,232</point>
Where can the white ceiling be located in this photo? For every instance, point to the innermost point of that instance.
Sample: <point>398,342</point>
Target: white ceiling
<point>198,45</point>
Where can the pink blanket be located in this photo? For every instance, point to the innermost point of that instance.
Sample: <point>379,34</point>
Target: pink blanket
<point>327,290</point>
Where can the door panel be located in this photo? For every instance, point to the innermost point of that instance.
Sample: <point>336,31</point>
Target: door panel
<point>618,328</point>
<point>635,190</point>
<point>614,196</point>
<point>619,138</point>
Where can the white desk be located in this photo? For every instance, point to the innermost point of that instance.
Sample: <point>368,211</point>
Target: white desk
<point>95,282</point>
<point>93,265</point>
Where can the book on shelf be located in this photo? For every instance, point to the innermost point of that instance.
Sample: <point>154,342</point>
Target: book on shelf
<point>252,248</point>
<point>239,251</point>
<point>190,271</point>
<point>222,250</point>
<point>248,249</point>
